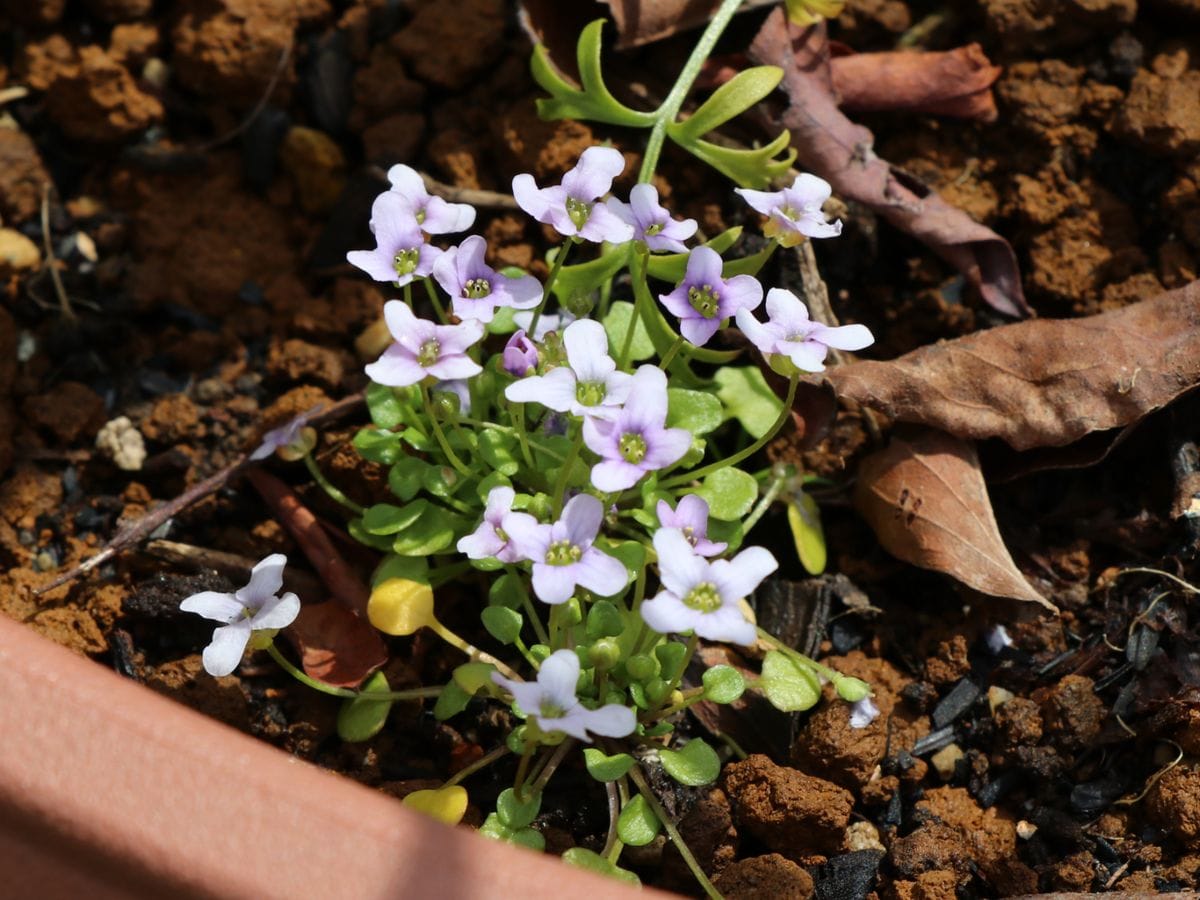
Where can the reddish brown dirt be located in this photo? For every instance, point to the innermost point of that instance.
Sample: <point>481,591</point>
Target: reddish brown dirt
<point>215,305</point>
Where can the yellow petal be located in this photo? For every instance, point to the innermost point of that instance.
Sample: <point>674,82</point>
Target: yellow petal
<point>400,606</point>
<point>446,804</point>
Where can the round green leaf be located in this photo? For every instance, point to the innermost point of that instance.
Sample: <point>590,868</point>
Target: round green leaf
<point>604,620</point>
<point>606,768</point>
<point>386,409</point>
<point>748,398</point>
<point>589,859</point>
<point>450,702</point>
<point>384,518</point>
<point>502,623</point>
<point>361,718</point>
<point>789,685</point>
<point>474,676</point>
<point>616,324</point>
<point>730,493</point>
<point>723,684</point>
<point>515,814</point>
<point>697,411</point>
<point>638,825</point>
<point>695,765</point>
<point>851,689</point>
<point>529,838</point>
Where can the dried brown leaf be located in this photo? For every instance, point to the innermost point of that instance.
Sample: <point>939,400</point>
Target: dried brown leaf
<point>335,645</point>
<point>925,498</point>
<point>643,21</point>
<point>1042,383</point>
<point>838,150</point>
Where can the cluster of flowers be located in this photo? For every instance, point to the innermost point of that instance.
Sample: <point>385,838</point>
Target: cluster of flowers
<point>564,365</point>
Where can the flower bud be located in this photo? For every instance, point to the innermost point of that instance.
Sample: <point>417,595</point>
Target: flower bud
<point>605,653</point>
<point>579,304</point>
<point>520,356</point>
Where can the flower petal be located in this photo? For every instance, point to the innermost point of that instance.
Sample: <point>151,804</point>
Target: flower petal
<point>699,330</point>
<point>266,578</point>
<point>757,333</point>
<point>524,292</point>
<point>679,568</point>
<point>594,173</point>
<point>228,645</point>
<point>643,203</point>
<point>610,720</point>
<point>738,577</point>
<point>646,408</point>
<point>602,225</point>
<point>395,368</point>
<point>553,584</point>
<point>760,201</point>
<point>740,292</point>
<point>582,517</point>
<point>529,538</point>
<point>454,339</point>
<point>612,475</point>
<point>844,337</point>
<point>376,263</point>
<point>530,198</point>
<point>571,724</point>
<point>587,350</point>
<point>452,368</point>
<point>481,543</point>
<point>787,310</point>
<point>692,512</point>
<point>666,447</point>
<point>447,218</point>
<point>408,184</point>
<point>554,390</point>
<point>726,624</point>
<point>809,191</point>
<point>214,605</point>
<point>558,677</point>
<point>807,356</point>
<point>278,612</point>
<point>667,614</point>
<point>703,267</point>
<point>600,573</point>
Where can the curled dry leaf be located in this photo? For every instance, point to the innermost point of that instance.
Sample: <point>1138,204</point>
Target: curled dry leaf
<point>955,83</point>
<point>1042,383</point>
<point>832,146</point>
<point>925,498</point>
<point>643,21</point>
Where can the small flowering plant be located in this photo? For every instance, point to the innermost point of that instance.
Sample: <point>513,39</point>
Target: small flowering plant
<point>562,450</point>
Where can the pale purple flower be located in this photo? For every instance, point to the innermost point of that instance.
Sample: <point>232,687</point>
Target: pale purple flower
<point>589,385</point>
<point>702,596</point>
<point>997,639</point>
<point>794,212</point>
<point>285,435</point>
<point>562,554</point>
<point>552,703</point>
<point>423,348</point>
<point>520,355</point>
<point>256,607</point>
<point>704,299</point>
<point>491,538</point>
<point>635,441</point>
<point>546,324</point>
<point>651,221</point>
<point>476,289</point>
<point>433,214</point>
<point>863,712</point>
<point>691,517</point>
<point>789,332</point>
<point>571,207</point>
<point>401,252</point>
<point>459,388</point>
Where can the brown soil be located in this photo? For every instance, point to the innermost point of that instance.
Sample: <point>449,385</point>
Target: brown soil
<point>204,258</point>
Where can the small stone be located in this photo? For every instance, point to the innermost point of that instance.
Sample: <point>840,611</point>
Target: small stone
<point>771,876</point>
<point>17,253</point>
<point>316,165</point>
<point>1026,830</point>
<point>863,836</point>
<point>997,697</point>
<point>122,443</point>
<point>946,761</point>
<point>789,811</point>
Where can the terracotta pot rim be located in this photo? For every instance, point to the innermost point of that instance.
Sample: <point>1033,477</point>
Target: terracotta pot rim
<point>108,789</point>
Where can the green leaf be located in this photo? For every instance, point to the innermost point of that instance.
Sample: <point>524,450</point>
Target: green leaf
<point>632,553</point>
<point>697,411</point>
<point>730,493</point>
<point>604,620</point>
<point>695,765</point>
<point>583,858</point>
<point>788,684</point>
<point>585,277</point>
<point>673,266</point>
<point>502,623</point>
<point>723,684</point>
<point>502,322</point>
<point>407,567</point>
<point>441,481</point>
<point>851,689</point>
<point>361,718</point>
<point>385,407</point>
<point>750,168</point>
<point>434,531</point>
<point>748,398</point>
<point>378,446</point>
<point>747,265</point>
<point>385,518</point>
<point>606,768</point>
<point>670,656</point>
<point>638,825</point>
<point>804,519</point>
<point>731,99</point>
<point>514,813</point>
<point>594,102</point>
<point>450,702</point>
<point>616,324</point>
<point>529,838</point>
<point>499,450</point>
<point>404,478</point>
<point>506,592</point>
<point>473,677</point>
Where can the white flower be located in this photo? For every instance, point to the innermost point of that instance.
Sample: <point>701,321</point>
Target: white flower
<point>997,639</point>
<point>256,607</point>
<point>590,385</point>
<point>863,712</point>
<point>551,701</point>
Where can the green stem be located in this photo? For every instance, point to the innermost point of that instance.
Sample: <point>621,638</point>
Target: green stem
<point>319,477</point>
<point>551,766</point>
<point>559,259</point>
<point>518,414</point>
<point>672,352</point>
<point>481,763</point>
<point>560,488</point>
<point>696,474</point>
<point>764,504</point>
<point>433,298</point>
<point>667,113</point>
<point>471,651</point>
<point>325,688</point>
<point>828,673</point>
<point>637,272</point>
<point>644,789</point>
<point>441,435</point>
<point>408,295</point>
<point>519,432</point>
<point>522,771</point>
<point>530,610</point>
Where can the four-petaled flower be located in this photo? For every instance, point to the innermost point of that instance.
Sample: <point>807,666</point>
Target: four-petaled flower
<point>562,554</point>
<point>491,538</point>
<point>652,223</point>
<point>590,385</point>
<point>552,703</point>
<point>287,435</point>
<point>691,517</point>
<point>423,348</point>
<point>789,332</point>
<point>520,357</point>
<point>635,441</point>
<point>571,207</point>
<point>475,288</point>
<point>794,213</point>
<point>704,299</point>
<point>401,252</point>
<point>702,596</point>
<point>433,214</point>
<point>256,607</point>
